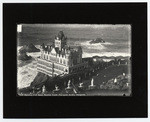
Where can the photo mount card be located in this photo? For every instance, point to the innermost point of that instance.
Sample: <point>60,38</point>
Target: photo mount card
<point>75,67</point>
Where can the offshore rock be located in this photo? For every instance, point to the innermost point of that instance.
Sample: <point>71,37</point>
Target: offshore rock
<point>29,48</point>
<point>97,40</point>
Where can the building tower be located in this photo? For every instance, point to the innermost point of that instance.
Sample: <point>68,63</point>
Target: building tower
<point>60,40</point>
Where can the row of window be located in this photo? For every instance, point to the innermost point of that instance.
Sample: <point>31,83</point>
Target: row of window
<point>43,71</point>
<point>47,71</point>
<point>59,67</point>
<point>58,72</point>
<point>45,67</point>
<point>54,59</point>
<point>48,64</point>
<point>45,63</point>
<point>57,43</point>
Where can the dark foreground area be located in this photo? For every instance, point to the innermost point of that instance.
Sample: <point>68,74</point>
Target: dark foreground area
<point>101,78</point>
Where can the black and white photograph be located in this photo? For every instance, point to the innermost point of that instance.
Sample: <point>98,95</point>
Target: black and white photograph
<point>74,60</point>
<point>68,61</point>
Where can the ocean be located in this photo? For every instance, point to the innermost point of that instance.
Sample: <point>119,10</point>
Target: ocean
<point>117,37</point>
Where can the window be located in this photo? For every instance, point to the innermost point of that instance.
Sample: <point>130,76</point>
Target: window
<point>64,62</point>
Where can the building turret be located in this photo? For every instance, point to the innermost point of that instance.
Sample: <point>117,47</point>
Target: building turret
<point>60,40</point>
<point>42,47</point>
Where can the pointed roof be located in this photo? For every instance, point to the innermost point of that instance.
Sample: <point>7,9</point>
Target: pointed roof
<point>61,35</point>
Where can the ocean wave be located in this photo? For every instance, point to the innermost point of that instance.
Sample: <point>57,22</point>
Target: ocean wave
<point>107,43</point>
<point>87,44</point>
<point>96,44</point>
<point>115,54</point>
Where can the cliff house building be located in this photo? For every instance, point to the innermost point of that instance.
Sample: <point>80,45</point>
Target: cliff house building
<point>60,58</point>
